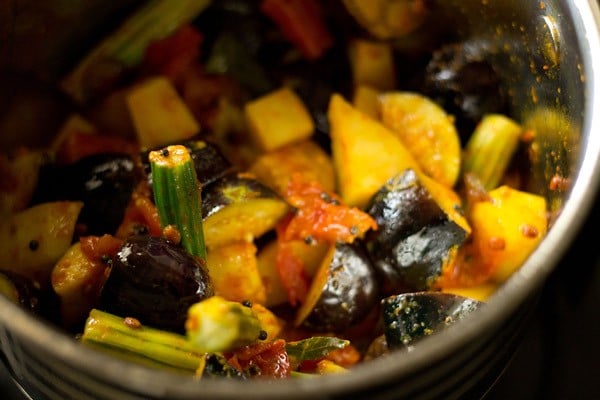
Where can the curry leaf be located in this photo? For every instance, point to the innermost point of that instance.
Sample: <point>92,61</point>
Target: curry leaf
<point>314,348</point>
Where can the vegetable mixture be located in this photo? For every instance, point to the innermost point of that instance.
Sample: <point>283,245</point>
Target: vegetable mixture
<point>269,188</point>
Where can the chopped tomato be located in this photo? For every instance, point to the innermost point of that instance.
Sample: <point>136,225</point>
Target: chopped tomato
<point>301,21</point>
<point>81,144</point>
<point>97,247</point>
<point>172,55</point>
<point>320,215</point>
<point>141,213</point>
<point>292,273</point>
<point>266,359</point>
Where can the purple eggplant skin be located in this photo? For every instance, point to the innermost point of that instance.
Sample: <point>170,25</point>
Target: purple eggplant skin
<point>155,281</point>
<point>465,84</point>
<point>409,317</point>
<point>414,234</point>
<point>103,181</point>
<point>350,292</point>
<point>209,162</point>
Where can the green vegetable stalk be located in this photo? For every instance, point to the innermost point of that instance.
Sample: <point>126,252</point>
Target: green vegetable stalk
<point>490,149</point>
<point>177,195</point>
<point>216,325</point>
<point>126,46</point>
<point>129,340</point>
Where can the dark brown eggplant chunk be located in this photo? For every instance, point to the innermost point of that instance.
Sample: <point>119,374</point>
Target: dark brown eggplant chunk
<point>409,317</point>
<point>155,281</point>
<point>465,84</point>
<point>343,291</point>
<point>104,182</point>
<point>30,295</point>
<point>237,207</point>
<point>209,162</point>
<point>417,234</point>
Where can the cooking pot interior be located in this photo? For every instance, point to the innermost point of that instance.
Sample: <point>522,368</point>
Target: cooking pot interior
<point>543,52</point>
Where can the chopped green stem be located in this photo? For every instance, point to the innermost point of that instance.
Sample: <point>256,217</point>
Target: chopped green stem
<point>155,20</point>
<point>490,149</point>
<point>216,325</point>
<point>177,195</point>
<point>141,344</point>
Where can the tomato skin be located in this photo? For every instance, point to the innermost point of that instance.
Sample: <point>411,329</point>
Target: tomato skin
<point>173,55</point>
<point>302,23</point>
<point>263,359</point>
<point>97,247</point>
<point>292,274</point>
<point>320,216</point>
<point>78,145</point>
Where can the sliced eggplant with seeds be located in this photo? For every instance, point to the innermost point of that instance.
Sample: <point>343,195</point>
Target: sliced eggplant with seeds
<point>409,317</point>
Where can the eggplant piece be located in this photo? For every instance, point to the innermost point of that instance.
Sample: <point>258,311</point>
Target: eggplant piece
<point>419,231</point>
<point>343,291</point>
<point>155,281</point>
<point>209,162</point>
<point>237,207</point>
<point>104,182</point>
<point>465,84</point>
<point>409,317</point>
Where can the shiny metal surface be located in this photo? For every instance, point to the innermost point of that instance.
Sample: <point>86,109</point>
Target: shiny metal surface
<point>549,52</point>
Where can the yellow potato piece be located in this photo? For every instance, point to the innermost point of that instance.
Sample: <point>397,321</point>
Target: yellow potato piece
<point>234,272</point>
<point>365,153</point>
<point>159,114</point>
<point>278,118</point>
<point>427,131</point>
<point>508,228</point>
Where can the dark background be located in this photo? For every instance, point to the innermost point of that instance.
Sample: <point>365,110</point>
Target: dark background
<point>559,355</point>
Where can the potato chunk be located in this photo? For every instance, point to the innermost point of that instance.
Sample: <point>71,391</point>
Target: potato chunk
<point>278,118</point>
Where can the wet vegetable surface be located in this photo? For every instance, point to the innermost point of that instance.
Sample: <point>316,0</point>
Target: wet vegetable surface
<point>414,238</point>
<point>104,182</point>
<point>411,316</point>
<point>155,281</point>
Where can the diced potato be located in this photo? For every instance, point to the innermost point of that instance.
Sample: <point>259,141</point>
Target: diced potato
<point>372,64</point>
<point>508,228</point>
<point>32,241</point>
<point>77,281</point>
<point>311,256</point>
<point>427,131</point>
<point>159,114</point>
<point>234,272</point>
<point>366,100</point>
<point>278,118</point>
<point>365,153</point>
<point>275,168</point>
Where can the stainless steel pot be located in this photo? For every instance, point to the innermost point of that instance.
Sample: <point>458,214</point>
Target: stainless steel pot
<point>549,55</point>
